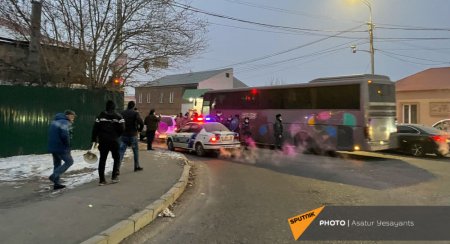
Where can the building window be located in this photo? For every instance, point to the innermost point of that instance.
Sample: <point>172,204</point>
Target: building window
<point>171,97</point>
<point>410,113</point>
<point>161,97</point>
<point>140,98</point>
<point>148,97</point>
<point>227,75</point>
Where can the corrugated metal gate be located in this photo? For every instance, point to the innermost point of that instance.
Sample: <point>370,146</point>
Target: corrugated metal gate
<point>26,113</point>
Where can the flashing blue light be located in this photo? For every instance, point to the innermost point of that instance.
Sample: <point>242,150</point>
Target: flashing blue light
<point>208,119</point>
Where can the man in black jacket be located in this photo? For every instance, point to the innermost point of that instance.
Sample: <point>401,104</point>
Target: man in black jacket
<point>278,132</point>
<point>133,125</point>
<point>108,127</point>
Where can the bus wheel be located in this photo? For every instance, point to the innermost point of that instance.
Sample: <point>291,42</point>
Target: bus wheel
<point>417,150</point>
<point>199,150</point>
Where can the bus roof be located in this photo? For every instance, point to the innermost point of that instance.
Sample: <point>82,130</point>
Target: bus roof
<point>337,80</point>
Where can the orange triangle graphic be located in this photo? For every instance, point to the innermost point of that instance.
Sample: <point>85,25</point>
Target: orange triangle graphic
<point>301,222</point>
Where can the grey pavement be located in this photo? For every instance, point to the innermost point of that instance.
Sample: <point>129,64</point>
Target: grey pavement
<point>98,214</point>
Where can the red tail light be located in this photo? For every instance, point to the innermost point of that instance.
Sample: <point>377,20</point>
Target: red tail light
<point>439,139</point>
<point>215,138</point>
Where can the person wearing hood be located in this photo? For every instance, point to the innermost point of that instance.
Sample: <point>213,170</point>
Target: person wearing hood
<point>278,131</point>
<point>59,137</point>
<point>108,128</point>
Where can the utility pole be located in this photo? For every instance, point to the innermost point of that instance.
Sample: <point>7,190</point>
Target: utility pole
<point>371,27</point>
<point>372,50</point>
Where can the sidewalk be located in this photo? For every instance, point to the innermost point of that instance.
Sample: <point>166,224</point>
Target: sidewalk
<point>98,214</point>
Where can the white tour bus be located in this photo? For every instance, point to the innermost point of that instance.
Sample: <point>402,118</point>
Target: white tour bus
<point>336,113</point>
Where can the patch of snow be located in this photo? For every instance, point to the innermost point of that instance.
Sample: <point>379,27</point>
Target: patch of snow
<point>25,167</point>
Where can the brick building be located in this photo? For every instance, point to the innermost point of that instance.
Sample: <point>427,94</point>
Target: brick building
<point>173,94</point>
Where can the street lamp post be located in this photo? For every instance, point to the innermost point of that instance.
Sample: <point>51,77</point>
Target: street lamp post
<point>370,24</point>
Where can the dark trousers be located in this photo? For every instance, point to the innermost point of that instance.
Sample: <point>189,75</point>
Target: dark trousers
<point>105,148</point>
<point>150,138</point>
<point>278,141</point>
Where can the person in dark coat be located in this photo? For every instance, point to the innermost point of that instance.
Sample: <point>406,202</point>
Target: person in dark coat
<point>246,132</point>
<point>151,121</point>
<point>228,122</point>
<point>108,128</point>
<point>133,125</point>
<point>59,136</point>
<point>219,117</point>
<point>278,131</point>
<point>234,125</point>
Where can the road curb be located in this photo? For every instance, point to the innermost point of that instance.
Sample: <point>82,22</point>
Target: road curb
<point>127,227</point>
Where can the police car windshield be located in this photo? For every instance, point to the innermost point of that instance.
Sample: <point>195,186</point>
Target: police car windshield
<point>210,127</point>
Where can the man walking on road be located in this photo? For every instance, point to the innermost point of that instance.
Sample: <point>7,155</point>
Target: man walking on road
<point>133,125</point>
<point>59,136</point>
<point>151,121</point>
<point>108,127</point>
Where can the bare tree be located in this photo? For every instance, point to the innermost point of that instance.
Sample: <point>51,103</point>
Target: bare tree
<point>122,37</point>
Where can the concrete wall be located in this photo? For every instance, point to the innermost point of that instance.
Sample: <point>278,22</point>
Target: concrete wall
<point>432,105</point>
<point>58,65</point>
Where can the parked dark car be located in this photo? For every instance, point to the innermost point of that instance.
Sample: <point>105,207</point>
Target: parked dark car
<point>418,140</point>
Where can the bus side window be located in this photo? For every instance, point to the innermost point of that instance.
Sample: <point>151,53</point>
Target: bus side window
<point>297,98</point>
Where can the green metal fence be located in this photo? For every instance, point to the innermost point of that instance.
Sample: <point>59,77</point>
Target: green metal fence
<point>26,113</point>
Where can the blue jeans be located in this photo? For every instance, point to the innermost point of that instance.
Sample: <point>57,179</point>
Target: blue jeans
<point>59,169</point>
<point>126,141</point>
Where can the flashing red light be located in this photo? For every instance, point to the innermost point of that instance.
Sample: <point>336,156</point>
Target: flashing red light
<point>199,118</point>
<point>254,91</point>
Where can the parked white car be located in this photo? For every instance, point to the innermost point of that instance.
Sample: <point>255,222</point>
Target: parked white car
<point>202,137</point>
<point>165,126</point>
<point>443,125</point>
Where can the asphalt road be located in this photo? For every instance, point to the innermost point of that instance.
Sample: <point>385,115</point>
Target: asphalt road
<point>249,199</point>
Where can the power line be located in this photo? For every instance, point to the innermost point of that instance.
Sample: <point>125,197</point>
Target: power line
<point>197,10</point>
<point>284,51</point>
<point>379,25</point>
<point>394,55</point>
<point>327,50</point>
<point>286,32</point>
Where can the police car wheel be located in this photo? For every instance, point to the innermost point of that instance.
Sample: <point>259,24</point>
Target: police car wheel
<point>199,150</point>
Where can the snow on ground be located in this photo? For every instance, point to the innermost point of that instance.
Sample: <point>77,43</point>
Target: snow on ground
<point>19,169</point>
<point>25,167</point>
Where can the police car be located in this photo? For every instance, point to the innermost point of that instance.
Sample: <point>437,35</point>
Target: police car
<point>202,137</point>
